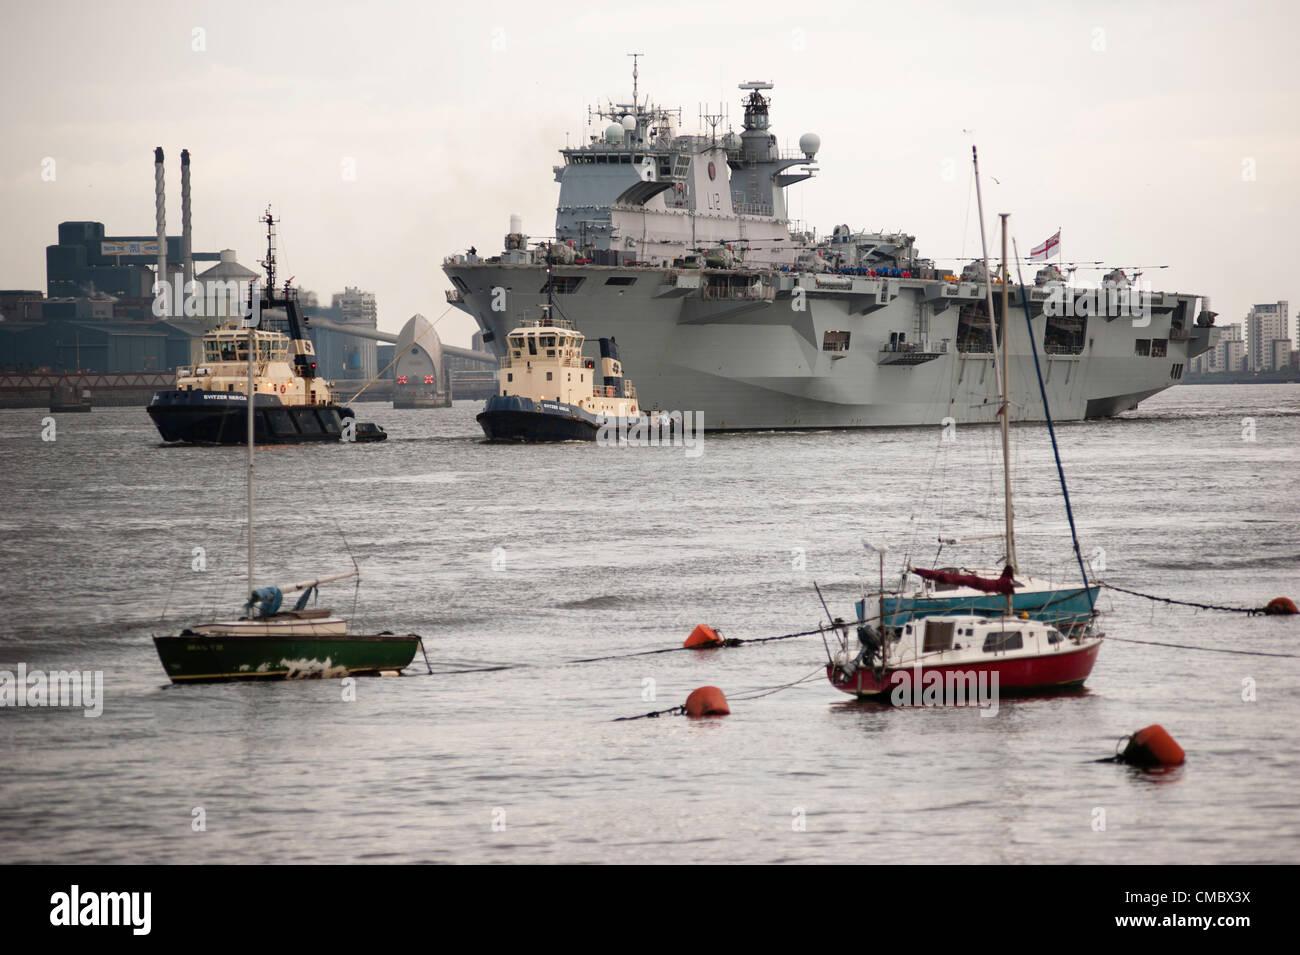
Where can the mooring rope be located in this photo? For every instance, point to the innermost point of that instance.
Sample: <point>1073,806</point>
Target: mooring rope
<point>1248,611</point>
<point>1188,646</point>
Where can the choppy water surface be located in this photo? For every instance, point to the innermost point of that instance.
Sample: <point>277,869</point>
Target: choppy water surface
<point>541,555</point>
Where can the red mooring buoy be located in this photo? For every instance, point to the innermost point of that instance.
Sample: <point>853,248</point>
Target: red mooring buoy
<point>1151,747</point>
<point>707,701</point>
<point>1281,606</point>
<point>702,637</point>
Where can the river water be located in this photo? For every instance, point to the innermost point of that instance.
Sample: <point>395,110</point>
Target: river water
<point>537,556</point>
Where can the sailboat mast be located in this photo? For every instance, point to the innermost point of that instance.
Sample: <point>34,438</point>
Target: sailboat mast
<point>251,346</point>
<point>999,362</point>
<point>1005,411</point>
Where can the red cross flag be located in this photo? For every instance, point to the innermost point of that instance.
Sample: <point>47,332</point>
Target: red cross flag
<point>1047,249</point>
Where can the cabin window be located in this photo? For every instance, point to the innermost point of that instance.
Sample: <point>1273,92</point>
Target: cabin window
<point>532,345</point>
<point>1142,347</point>
<point>548,376</point>
<point>1003,640</point>
<point>517,341</point>
<point>510,376</point>
<point>621,280</point>
<point>1159,347</point>
<point>1053,636</point>
<point>938,636</point>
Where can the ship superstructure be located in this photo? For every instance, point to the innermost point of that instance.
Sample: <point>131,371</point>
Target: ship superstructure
<point>681,247</point>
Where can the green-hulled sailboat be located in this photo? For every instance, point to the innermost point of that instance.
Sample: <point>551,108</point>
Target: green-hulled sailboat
<point>268,643</point>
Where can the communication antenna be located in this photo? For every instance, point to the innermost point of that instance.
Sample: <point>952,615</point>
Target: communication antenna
<point>713,119</point>
<point>634,56</point>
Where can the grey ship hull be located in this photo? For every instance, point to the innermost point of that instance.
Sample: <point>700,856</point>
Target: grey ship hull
<point>755,360</point>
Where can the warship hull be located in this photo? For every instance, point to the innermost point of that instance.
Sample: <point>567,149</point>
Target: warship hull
<point>780,350</point>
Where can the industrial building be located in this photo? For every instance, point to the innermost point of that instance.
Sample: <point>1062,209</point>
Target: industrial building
<point>99,312</point>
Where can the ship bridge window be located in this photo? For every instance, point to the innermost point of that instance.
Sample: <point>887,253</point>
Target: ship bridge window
<point>1142,347</point>
<point>1003,640</point>
<point>564,284</point>
<point>517,341</point>
<point>1159,347</point>
<point>835,341</point>
<point>621,280</point>
<point>532,345</point>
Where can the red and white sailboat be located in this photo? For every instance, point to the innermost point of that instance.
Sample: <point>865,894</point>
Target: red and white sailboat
<point>944,657</point>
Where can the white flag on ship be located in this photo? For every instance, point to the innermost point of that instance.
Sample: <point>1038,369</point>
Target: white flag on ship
<point>1047,249</point>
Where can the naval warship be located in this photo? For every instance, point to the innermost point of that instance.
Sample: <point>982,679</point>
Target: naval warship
<point>682,248</point>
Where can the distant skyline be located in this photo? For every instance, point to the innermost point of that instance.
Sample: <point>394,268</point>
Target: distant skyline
<point>1151,134</point>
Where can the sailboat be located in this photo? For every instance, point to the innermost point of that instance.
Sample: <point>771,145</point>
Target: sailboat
<point>1028,634</point>
<point>268,643</point>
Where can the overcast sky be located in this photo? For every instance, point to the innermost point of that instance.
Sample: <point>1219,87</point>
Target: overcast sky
<point>1151,133</point>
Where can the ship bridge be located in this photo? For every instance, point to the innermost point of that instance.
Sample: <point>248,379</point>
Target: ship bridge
<point>641,193</point>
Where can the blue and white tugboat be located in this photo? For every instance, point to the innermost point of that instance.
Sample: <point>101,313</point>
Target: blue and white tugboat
<point>548,390</point>
<point>292,404</point>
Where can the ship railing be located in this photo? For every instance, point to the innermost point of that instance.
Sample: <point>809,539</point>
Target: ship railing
<point>1062,348</point>
<point>939,347</point>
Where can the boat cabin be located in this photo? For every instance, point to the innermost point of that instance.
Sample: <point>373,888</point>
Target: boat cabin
<point>225,367</point>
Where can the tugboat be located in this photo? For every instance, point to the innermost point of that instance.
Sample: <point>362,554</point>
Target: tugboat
<point>549,390</point>
<point>293,405</point>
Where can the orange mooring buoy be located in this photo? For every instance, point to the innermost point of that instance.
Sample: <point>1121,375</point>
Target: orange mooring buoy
<point>707,701</point>
<point>1152,747</point>
<point>1280,606</point>
<point>703,636</point>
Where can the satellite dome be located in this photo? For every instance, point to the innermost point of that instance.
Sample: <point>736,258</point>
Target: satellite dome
<point>809,143</point>
<point>614,134</point>
<point>731,142</point>
<point>629,123</point>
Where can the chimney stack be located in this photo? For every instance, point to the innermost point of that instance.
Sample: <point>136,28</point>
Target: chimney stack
<point>160,212</point>
<point>187,256</point>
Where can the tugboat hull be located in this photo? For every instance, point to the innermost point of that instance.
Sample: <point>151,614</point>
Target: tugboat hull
<point>523,419</point>
<point>194,658</point>
<point>207,417</point>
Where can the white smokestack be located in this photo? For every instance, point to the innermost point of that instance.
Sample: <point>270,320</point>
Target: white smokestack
<point>160,213</point>
<point>187,253</point>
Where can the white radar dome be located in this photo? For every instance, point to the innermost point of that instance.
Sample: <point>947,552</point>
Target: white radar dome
<point>629,123</point>
<point>809,143</point>
<point>614,134</point>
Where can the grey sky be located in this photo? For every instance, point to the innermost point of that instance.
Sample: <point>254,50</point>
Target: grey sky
<point>1135,127</point>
